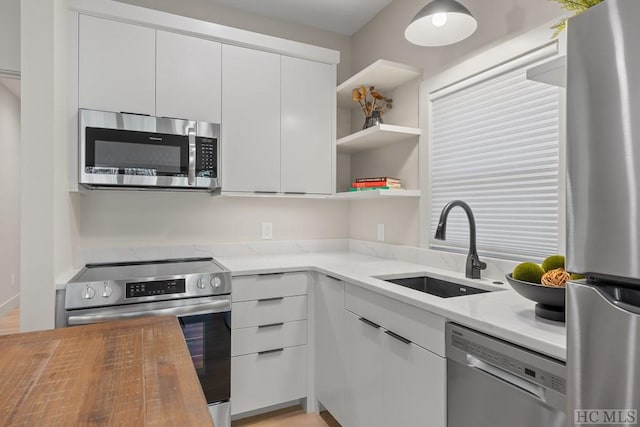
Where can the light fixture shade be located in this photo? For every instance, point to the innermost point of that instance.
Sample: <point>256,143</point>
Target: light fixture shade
<point>452,23</point>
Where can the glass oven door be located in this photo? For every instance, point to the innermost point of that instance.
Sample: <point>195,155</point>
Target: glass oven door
<point>208,338</point>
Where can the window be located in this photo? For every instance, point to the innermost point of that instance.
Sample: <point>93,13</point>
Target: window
<point>495,144</point>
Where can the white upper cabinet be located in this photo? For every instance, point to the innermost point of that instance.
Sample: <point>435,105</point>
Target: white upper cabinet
<point>250,120</point>
<point>117,65</point>
<point>188,77</point>
<point>10,36</point>
<point>308,95</point>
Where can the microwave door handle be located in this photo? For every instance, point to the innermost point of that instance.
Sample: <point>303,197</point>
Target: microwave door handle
<point>192,156</point>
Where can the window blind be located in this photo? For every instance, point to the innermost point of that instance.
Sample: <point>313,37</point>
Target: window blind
<point>495,144</point>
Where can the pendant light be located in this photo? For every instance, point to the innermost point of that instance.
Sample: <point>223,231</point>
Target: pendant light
<point>440,23</point>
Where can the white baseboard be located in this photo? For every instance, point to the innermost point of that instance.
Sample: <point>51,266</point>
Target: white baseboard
<point>266,410</point>
<point>10,304</point>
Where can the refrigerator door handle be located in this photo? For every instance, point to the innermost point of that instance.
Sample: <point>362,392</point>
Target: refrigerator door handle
<point>532,389</point>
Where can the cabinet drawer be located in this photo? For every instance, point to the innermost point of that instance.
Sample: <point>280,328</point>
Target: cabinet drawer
<point>261,380</point>
<point>279,335</point>
<point>246,288</point>
<point>262,312</point>
<point>421,327</point>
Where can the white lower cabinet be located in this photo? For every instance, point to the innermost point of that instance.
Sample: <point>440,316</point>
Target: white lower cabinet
<point>329,325</point>
<point>363,399</point>
<point>391,380</point>
<point>265,337</point>
<point>414,385</point>
<point>268,340</point>
<point>263,379</point>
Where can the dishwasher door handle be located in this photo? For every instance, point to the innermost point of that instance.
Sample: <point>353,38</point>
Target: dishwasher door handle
<point>533,389</point>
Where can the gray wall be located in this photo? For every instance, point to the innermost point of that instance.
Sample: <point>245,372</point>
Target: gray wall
<point>498,20</point>
<point>122,219</point>
<point>383,37</point>
<point>9,199</point>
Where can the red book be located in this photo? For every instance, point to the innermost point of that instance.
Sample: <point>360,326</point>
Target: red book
<point>381,178</point>
<point>374,184</point>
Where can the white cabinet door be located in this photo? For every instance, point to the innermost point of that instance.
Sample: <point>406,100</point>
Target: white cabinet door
<point>188,77</point>
<point>250,120</point>
<point>308,93</point>
<point>363,395</point>
<point>414,391</point>
<point>259,380</point>
<point>330,345</point>
<point>10,35</point>
<point>117,64</point>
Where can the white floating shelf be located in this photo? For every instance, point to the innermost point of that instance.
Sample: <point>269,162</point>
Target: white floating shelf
<point>384,75</point>
<point>377,194</point>
<point>374,137</point>
<point>552,72</point>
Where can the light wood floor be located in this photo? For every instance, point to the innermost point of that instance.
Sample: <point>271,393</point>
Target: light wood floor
<point>10,322</point>
<point>288,417</point>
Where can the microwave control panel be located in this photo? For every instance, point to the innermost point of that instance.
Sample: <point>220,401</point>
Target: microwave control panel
<point>206,157</point>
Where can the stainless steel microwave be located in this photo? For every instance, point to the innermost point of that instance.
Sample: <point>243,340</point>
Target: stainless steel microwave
<point>131,151</point>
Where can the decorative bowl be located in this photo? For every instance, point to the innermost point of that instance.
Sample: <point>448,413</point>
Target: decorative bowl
<point>550,301</point>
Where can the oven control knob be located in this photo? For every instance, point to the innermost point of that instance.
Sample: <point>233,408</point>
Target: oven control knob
<point>201,283</point>
<point>216,282</point>
<point>107,290</point>
<point>89,292</point>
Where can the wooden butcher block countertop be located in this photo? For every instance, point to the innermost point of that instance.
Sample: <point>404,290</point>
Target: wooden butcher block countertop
<point>126,373</point>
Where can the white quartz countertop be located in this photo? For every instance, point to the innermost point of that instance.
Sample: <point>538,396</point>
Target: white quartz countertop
<point>503,314</point>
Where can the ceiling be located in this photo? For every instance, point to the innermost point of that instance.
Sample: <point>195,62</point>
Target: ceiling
<point>340,16</point>
<point>12,84</point>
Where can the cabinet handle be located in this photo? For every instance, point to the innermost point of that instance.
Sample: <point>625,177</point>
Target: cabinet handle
<point>398,337</point>
<point>369,322</point>
<point>295,192</point>
<point>275,350</point>
<point>271,325</point>
<point>334,278</point>
<point>271,299</point>
<point>265,192</point>
<point>270,274</point>
<point>191,180</point>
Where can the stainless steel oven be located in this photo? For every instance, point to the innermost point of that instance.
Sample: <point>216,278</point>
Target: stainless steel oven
<point>197,291</point>
<point>132,151</point>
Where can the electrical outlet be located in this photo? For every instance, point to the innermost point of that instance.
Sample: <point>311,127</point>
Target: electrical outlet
<point>267,230</point>
<point>381,232</point>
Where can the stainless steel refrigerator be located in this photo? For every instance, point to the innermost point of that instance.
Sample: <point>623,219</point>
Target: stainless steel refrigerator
<point>603,233</point>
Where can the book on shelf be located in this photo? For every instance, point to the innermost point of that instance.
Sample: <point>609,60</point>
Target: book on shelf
<point>374,184</point>
<point>379,179</point>
<point>373,188</point>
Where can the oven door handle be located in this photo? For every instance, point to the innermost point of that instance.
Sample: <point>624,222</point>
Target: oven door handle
<point>205,308</point>
<point>192,156</point>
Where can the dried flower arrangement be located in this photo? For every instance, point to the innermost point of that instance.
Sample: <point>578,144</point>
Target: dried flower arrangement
<point>378,101</point>
<point>576,6</point>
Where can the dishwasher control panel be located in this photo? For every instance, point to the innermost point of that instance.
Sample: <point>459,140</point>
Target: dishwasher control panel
<point>464,341</point>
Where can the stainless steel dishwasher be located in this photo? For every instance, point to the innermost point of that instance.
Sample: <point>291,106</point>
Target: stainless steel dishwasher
<point>492,383</point>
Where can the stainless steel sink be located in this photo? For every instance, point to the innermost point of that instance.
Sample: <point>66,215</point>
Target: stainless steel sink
<point>437,287</point>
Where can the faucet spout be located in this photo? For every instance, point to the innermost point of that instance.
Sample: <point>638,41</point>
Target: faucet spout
<point>473,265</point>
